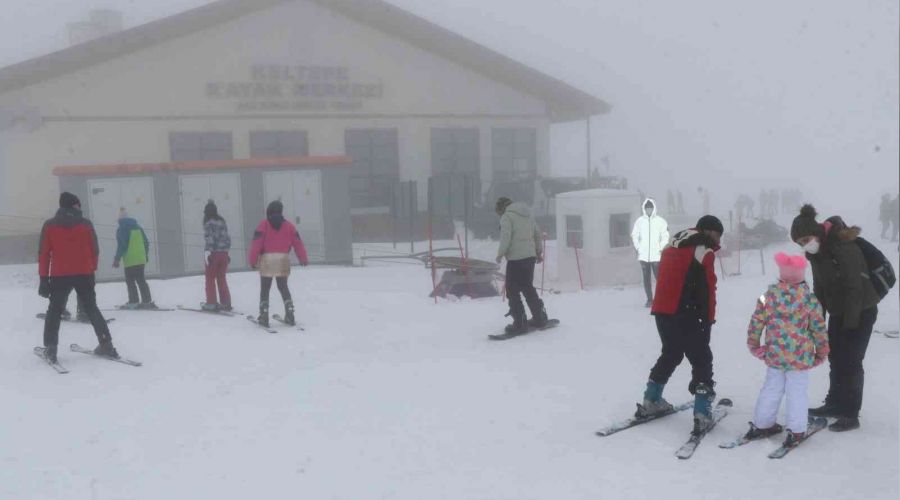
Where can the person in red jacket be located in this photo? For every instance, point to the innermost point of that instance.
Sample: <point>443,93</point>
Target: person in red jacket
<point>685,309</point>
<point>67,261</point>
<point>273,240</point>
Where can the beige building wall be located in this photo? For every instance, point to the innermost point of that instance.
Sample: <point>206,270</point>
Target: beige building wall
<point>122,111</point>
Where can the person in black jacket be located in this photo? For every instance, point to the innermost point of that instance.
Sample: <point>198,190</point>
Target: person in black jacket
<point>841,283</point>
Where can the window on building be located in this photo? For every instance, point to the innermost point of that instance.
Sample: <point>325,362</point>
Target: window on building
<point>278,143</point>
<point>455,151</point>
<point>195,146</point>
<point>376,166</point>
<point>514,153</point>
<point>619,230</point>
<point>574,231</point>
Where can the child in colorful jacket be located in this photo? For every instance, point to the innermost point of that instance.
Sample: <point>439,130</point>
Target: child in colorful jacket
<point>796,340</point>
<point>270,252</point>
<point>133,253</point>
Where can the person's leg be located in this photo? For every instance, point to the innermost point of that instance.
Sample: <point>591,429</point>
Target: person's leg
<point>698,352</point>
<point>796,401</point>
<point>769,400</point>
<point>210,275</point>
<point>514,287</point>
<point>265,284</point>
<point>84,287</point>
<point>672,351</point>
<point>836,353</point>
<point>852,374</point>
<point>60,287</point>
<point>131,283</point>
<point>535,304</point>
<point>221,280</point>
<point>142,284</point>
<point>645,272</point>
<point>282,283</point>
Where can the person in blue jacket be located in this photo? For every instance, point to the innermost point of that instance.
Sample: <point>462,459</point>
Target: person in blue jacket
<point>133,252</point>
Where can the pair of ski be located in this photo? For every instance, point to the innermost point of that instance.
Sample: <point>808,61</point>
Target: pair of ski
<point>719,412</point>
<point>276,317</point>
<point>71,319</point>
<point>686,450</point>
<point>39,352</point>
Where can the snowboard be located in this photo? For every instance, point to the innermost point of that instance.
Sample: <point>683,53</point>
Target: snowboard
<point>551,323</point>
<point>78,348</point>
<point>71,319</point>
<point>815,425</point>
<point>634,421</point>
<point>720,411</point>
<point>39,352</point>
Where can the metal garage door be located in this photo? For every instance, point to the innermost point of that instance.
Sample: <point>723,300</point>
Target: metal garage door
<point>301,193</point>
<point>196,191</point>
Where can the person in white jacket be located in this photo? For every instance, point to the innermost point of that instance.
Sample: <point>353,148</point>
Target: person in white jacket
<point>649,236</point>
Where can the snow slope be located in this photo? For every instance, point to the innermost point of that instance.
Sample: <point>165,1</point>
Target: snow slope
<point>389,396</point>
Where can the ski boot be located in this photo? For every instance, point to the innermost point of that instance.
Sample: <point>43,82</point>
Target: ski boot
<point>50,354</point>
<point>793,439</point>
<point>82,317</point>
<point>263,318</point>
<point>703,418</point>
<point>757,433</point>
<point>147,305</point>
<point>520,321</point>
<point>106,349</point>
<point>66,315</point>
<point>206,306</point>
<point>538,315</point>
<point>289,312</point>
<point>653,403</point>
<point>131,306</point>
<point>844,424</point>
<point>826,410</point>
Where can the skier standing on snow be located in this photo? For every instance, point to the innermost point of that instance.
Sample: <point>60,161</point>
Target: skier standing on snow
<point>520,244</point>
<point>841,283</point>
<point>133,250</point>
<point>796,340</point>
<point>270,252</point>
<point>685,310</point>
<point>649,235</point>
<point>67,260</point>
<point>215,256</point>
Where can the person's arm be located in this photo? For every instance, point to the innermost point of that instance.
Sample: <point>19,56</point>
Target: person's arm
<point>636,234</point>
<point>146,245</point>
<point>209,237</point>
<point>122,236</point>
<point>300,249</point>
<point>538,247</point>
<point>256,246</point>
<point>44,252</point>
<point>818,331</point>
<point>755,329</point>
<point>505,236</point>
<point>853,271</point>
<point>708,260</point>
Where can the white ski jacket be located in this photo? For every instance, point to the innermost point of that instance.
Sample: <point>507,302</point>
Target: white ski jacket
<point>650,234</point>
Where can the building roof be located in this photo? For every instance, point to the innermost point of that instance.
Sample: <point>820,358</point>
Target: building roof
<point>598,193</point>
<point>565,102</point>
<point>199,166</point>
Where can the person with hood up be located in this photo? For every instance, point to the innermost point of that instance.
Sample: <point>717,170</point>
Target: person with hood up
<point>67,260</point>
<point>273,240</point>
<point>685,310</point>
<point>841,283</point>
<point>216,259</point>
<point>132,252</point>
<point>649,235</point>
<point>520,244</point>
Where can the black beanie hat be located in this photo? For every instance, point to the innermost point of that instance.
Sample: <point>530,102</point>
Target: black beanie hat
<point>210,210</point>
<point>68,200</point>
<point>711,223</point>
<point>805,224</point>
<point>276,207</point>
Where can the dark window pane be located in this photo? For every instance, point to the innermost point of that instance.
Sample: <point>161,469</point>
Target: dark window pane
<point>619,230</point>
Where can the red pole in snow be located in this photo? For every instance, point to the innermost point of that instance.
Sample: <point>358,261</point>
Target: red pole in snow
<point>578,264</point>
<point>543,260</point>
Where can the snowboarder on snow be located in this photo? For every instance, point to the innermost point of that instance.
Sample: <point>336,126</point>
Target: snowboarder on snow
<point>841,283</point>
<point>685,310</point>
<point>520,244</point>
<point>215,256</point>
<point>67,260</point>
<point>273,240</point>
<point>649,235</point>
<point>133,251</point>
<point>796,341</point>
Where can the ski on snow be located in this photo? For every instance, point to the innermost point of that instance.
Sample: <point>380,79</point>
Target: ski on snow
<point>71,319</point>
<point>633,421</point>
<point>78,348</point>
<point>506,336</point>
<point>720,411</point>
<point>277,317</point>
<point>815,425</point>
<point>217,313</point>
<point>152,309</point>
<point>256,322</point>
<point>39,352</point>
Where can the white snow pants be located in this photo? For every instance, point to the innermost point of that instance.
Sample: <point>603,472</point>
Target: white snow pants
<point>792,384</point>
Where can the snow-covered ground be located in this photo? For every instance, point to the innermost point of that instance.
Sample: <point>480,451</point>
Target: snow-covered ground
<point>388,395</point>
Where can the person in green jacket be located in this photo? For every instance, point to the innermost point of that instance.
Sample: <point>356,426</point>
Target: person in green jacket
<point>520,244</point>
<point>132,252</point>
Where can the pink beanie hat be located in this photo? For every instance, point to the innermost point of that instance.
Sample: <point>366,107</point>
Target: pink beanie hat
<point>791,268</point>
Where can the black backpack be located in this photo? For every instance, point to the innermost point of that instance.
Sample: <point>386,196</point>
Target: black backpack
<point>881,273</point>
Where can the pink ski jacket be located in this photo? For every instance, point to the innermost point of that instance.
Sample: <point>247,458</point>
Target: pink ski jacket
<point>267,239</point>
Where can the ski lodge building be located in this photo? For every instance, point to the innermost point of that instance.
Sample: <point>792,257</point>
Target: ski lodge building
<point>326,104</point>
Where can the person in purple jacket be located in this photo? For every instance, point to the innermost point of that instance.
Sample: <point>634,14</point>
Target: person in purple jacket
<point>270,253</point>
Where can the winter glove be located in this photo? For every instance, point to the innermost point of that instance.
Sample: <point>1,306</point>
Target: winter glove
<point>206,255</point>
<point>116,263</point>
<point>44,287</point>
<point>819,360</point>
<point>539,259</point>
<point>760,352</point>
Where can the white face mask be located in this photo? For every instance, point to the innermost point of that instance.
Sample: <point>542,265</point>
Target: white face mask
<point>812,247</point>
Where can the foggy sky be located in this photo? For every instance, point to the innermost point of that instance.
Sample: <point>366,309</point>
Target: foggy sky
<point>726,95</point>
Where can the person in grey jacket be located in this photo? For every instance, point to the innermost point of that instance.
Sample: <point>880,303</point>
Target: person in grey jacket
<point>520,244</point>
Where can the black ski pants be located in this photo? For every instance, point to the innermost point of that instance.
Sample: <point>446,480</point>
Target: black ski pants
<point>845,359</point>
<point>684,334</point>
<point>265,284</point>
<point>60,288</point>
<point>519,282</point>
<point>134,279</point>
<point>646,269</point>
